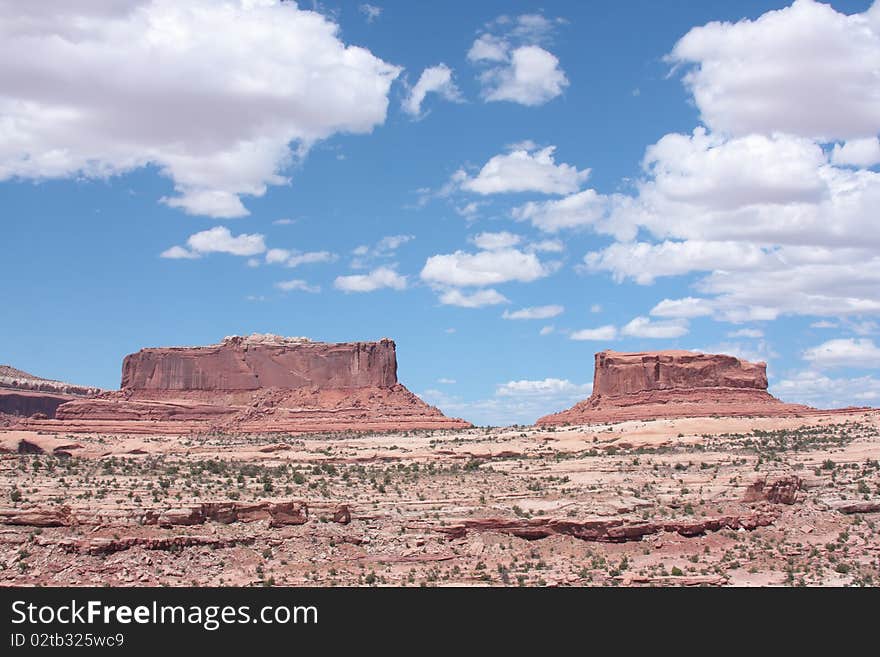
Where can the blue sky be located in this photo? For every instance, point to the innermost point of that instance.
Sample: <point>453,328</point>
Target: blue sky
<point>504,188</point>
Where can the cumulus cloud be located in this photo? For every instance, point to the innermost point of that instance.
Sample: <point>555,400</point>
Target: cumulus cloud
<point>381,277</point>
<point>644,327</point>
<point>218,240</point>
<point>579,210</point>
<point>297,284</point>
<point>179,253</point>
<point>685,308</point>
<point>515,67</point>
<point>844,352</point>
<point>857,152</point>
<point>764,75</point>
<point>462,269</point>
<point>73,107</point>
<point>535,312</point>
<point>525,170</point>
<point>777,226</point>
<point>478,299</point>
<point>542,387</point>
<point>434,79</point>
<point>821,391</point>
<point>602,333</point>
<point>643,262</point>
<point>531,77</point>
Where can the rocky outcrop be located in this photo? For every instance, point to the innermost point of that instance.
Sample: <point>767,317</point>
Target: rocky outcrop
<point>259,362</point>
<point>25,395</point>
<point>612,530</point>
<point>672,384</point>
<point>782,491</point>
<point>259,383</point>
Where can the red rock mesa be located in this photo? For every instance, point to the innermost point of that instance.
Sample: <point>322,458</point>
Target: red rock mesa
<point>23,394</point>
<point>670,384</point>
<point>259,383</point>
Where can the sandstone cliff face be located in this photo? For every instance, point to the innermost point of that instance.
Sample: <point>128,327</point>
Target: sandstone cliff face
<point>670,384</point>
<point>259,383</point>
<point>242,364</point>
<point>625,373</point>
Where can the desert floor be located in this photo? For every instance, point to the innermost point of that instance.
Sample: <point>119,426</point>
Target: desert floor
<point>665,502</point>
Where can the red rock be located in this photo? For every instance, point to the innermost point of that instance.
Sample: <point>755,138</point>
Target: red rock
<point>26,395</point>
<point>782,491</point>
<point>672,384</point>
<point>612,530</point>
<point>41,517</point>
<point>342,514</point>
<point>255,384</point>
<point>260,362</point>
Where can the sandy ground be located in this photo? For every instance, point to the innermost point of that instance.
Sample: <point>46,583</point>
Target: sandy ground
<point>664,502</point>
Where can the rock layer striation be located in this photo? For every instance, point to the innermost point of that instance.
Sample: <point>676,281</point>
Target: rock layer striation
<point>23,394</point>
<point>258,383</point>
<point>671,384</point>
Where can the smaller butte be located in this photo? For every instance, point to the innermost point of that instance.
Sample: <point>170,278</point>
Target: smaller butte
<point>674,384</point>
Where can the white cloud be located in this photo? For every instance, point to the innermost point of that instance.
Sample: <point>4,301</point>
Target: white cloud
<point>778,228</point>
<point>542,387</point>
<point>520,402</point>
<point>178,252</point>
<point>74,107</point>
<point>857,152</point>
<point>275,256</point>
<point>685,308</point>
<point>284,222</point>
<point>515,66</point>
<point>434,79</point>
<point>596,308</point>
<point>446,382</point>
<point>764,75</point>
<point>370,12</point>
<point>461,269</point>
<point>218,240</point>
<point>534,312</point>
<point>488,48</point>
<point>643,262</point>
<point>823,324</point>
<point>844,352</point>
<point>381,277</point>
<point>818,390</point>
<point>496,241</point>
<point>547,330</point>
<point>578,210</point>
<point>523,170</point>
<point>296,258</point>
<point>477,299</point>
<point>643,327</point>
<point>532,77</point>
<point>599,334</point>
<point>297,284</point>
<point>746,333</point>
